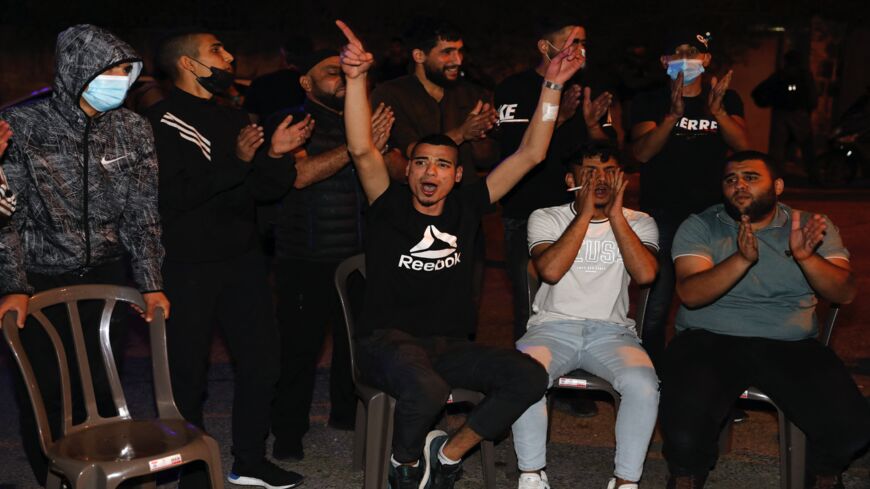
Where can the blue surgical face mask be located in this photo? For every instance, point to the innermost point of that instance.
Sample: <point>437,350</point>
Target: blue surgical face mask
<point>107,92</point>
<point>691,69</point>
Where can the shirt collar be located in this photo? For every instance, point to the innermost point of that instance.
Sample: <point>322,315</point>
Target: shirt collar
<point>783,213</point>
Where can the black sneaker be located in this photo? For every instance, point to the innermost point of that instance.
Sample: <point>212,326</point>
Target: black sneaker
<point>264,474</point>
<point>287,449</point>
<point>405,476</point>
<point>436,475</point>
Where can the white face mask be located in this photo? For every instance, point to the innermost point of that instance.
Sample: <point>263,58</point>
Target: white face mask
<point>691,69</point>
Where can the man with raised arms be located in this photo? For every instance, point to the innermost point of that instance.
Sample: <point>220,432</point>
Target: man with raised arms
<point>418,309</point>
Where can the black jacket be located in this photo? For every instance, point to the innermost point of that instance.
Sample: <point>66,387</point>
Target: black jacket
<point>322,222</point>
<point>86,187</point>
<point>207,194</point>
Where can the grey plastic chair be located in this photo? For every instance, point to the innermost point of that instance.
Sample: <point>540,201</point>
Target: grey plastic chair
<point>105,451</point>
<point>792,441</point>
<point>373,435</point>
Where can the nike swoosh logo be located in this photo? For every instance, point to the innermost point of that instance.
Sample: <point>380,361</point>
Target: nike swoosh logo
<point>105,162</point>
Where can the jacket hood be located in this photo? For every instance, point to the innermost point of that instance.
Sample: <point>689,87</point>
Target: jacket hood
<point>83,52</point>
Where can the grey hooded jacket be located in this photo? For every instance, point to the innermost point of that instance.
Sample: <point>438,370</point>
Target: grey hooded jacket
<point>86,188</point>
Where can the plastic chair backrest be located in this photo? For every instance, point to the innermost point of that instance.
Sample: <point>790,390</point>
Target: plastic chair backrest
<point>533,284</point>
<point>345,269</point>
<point>71,296</point>
<point>830,320</point>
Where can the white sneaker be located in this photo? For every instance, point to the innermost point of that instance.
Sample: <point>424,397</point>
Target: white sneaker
<point>533,481</point>
<point>612,485</point>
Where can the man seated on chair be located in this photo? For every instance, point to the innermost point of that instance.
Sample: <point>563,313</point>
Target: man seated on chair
<point>418,310</point>
<point>586,252</point>
<point>749,271</point>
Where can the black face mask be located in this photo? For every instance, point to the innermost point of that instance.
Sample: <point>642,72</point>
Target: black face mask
<point>220,80</point>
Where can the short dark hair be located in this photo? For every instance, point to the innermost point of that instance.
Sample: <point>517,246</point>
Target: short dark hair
<point>437,140</point>
<point>173,47</point>
<point>773,166</point>
<point>547,26</point>
<point>602,148</point>
<point>425,32</point>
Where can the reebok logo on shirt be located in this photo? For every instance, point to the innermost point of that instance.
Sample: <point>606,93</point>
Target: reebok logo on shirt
<point>436,251</point>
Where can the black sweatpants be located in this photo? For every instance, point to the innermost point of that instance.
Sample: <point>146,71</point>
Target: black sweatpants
<point>40,352</point>
<point>235,295</point>
<point>420,372</point>
<point>307,302</point>
<point>704,373</point>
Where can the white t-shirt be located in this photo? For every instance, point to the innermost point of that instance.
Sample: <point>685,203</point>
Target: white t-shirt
<point>596,285</point>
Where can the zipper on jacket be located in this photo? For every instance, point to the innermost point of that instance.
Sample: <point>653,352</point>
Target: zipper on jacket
<point>85,221</point>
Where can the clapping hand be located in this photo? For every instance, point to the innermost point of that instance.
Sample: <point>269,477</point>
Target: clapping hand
<point>717,94</point>
<point>249,139</point>
<point>594,110</point>
<point>677,104</point>
<point>481,119</point>
<point>382,123</point>
<point>568,105</point>
<point>289,136</point>
<point>747,243</point>
<point>804,240</point>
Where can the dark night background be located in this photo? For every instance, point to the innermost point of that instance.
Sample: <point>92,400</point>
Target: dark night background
<point>748,35</point>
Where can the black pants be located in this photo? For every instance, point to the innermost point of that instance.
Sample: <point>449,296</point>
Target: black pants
<point>661,294</point>
<point>516,244</point>
<point>704,373</point>
<point>234,294</point>
<point>419,373</point>
<point>40,352</point>
<point>307,302</point>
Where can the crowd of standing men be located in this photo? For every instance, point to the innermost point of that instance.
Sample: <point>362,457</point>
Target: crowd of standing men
<point>91,192</point>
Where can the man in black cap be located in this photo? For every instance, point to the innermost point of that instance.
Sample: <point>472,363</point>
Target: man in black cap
<point>318,225</point>
<point>681,138</point>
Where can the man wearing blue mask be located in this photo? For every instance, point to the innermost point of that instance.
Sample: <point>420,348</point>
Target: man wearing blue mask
<point>681,138</point>
<point>214,167</point>
<point>84,175</point>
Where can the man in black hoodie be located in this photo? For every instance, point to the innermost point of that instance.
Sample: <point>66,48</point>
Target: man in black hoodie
<point>75,223</point>
<point>211,176</point>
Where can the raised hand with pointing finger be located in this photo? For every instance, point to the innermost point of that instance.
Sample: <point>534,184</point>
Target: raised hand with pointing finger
<point>355,60</point>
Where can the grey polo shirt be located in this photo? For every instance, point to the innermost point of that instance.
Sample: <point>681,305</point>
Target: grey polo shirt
<point>773,300</point>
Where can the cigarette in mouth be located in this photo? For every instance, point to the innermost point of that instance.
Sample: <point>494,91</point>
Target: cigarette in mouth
<point>572,189</point>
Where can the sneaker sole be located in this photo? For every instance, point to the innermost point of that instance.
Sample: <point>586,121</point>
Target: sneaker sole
<point>253,481</point>
<point>427,457</point>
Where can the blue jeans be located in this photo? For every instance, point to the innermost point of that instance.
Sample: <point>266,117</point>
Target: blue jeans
<point>610,351</point>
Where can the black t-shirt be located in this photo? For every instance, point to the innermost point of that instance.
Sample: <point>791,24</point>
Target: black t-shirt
<point>685,176</point>
<point>419,267</point>
<point>273,92</point>
<point>516,99</point>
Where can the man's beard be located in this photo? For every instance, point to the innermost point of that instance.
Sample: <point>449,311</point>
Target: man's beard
<point>330,100</point>
<point>437,77</point>
<point>756,210</point>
